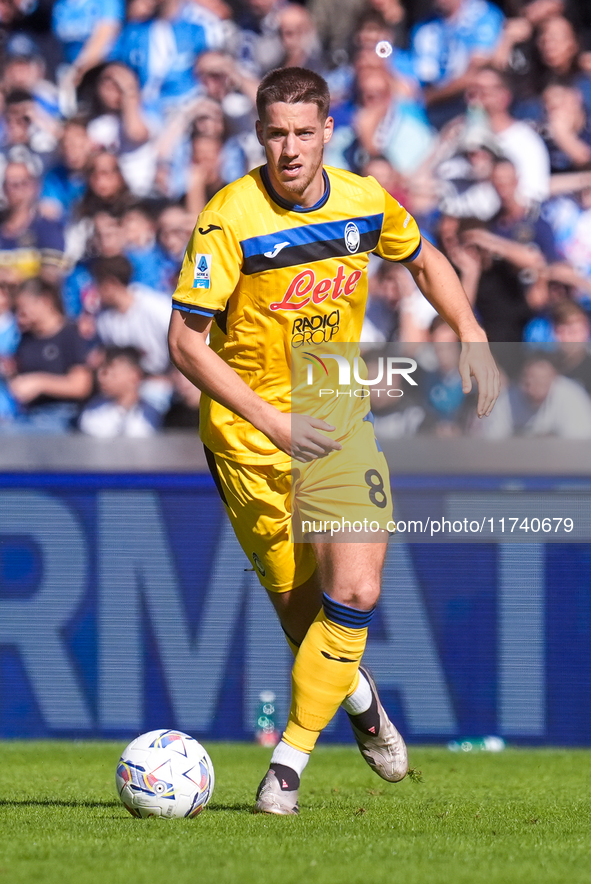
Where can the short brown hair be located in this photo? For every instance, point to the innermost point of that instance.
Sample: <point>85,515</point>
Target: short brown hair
<point>567,310</point>
<point>293,86</point>
<point>502,76</point>
<point>132,355</point>
<point>39,288</point>
<point>116,267</point>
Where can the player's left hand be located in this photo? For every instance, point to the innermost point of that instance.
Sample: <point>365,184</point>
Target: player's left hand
<point>301,436</point>
<point>476,361</point>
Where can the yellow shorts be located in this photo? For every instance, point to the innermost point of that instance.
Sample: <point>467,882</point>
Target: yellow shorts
<point>273,507</point>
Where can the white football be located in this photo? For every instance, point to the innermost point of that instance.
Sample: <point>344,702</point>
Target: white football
<point>164,773</point>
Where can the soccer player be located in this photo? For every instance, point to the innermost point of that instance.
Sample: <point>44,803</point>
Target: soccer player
<point>286,243</point>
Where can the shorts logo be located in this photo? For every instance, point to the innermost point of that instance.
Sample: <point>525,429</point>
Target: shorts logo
<point>316,329</point>
<point>202,277</point>
<point>352,236</point>
<point>303,288</point>
<point>258,564</point>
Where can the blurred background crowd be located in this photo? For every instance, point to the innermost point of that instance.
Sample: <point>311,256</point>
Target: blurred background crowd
<point>120,120</point>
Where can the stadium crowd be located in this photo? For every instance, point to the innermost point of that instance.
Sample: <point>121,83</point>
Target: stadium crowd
<point>119,121</point>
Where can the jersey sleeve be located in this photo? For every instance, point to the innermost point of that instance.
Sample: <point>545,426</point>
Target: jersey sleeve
<point>400,239</point>
<point>211,267</point>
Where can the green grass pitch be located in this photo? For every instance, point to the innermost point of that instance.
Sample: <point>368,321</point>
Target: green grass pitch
<point>521,816</point>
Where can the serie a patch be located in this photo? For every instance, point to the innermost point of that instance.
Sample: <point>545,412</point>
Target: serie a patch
<point>202,277</point>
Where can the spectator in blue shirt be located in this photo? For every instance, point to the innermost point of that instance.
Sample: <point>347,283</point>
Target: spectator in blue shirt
<point>32,19</point>
<point>447,408</point>
<point>449,47</point>
<point>87,30</point>
<point>151,266</point>
<point>259,45</point>
<point>23,139</point>
<point>132,235</point>
<point>79,291</point>
<point>371,29</point>
<point>65,183</point>
<point>162,51</point>
<point>30,245</point>
<point>174,229</point>
<point>566,129</point>
<point>24,68</point>
<point>386,122</point>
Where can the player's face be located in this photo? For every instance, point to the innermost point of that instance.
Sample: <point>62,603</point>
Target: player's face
<point>294,136</point>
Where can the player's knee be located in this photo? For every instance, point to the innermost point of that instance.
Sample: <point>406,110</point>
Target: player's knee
<point>362,595</point>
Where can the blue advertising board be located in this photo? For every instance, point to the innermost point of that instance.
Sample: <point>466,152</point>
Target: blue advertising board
<point>126,605</point>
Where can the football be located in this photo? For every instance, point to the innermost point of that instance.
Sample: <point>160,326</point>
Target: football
<point>164,773</point>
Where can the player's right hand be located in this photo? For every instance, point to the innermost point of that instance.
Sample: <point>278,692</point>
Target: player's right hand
<point>298,435</point>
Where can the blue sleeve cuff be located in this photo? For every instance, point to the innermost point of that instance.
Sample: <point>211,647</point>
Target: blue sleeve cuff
<point>193,308</point>
<point>414,255</point>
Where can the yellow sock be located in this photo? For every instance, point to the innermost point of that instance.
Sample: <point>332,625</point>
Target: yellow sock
<point>294,648</point>
<point>325,671</point>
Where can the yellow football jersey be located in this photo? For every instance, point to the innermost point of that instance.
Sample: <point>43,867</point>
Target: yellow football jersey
<point>277,278</point>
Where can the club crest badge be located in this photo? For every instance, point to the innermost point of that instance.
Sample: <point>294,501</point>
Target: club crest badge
<point>258,564</point>
<point>352,237</point>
